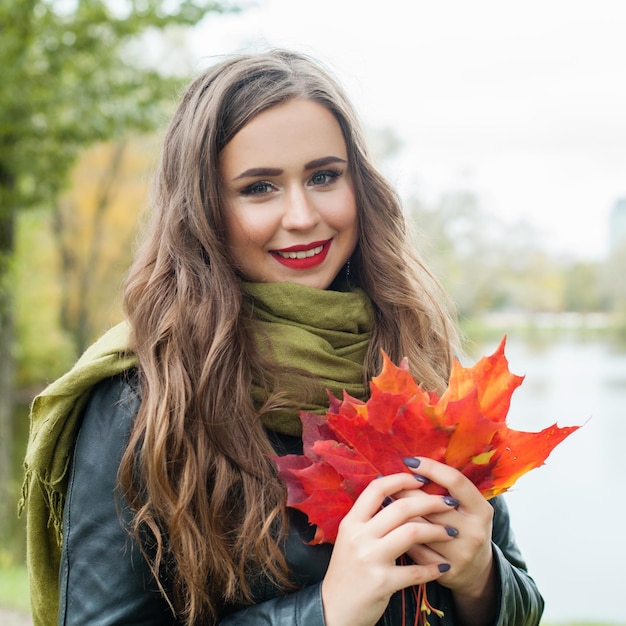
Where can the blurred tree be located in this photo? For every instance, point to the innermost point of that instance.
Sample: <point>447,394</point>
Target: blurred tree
<point>484,263</point>
<point>94,225</point>
<point>69,79</point>
<point>460,243</point>
<point>43,351</point>
<point>530,278</point>
<point>583,291</point>
<point>613,286</point>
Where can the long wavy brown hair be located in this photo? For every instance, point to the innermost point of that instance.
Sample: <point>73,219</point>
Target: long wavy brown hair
<point>208,507</point>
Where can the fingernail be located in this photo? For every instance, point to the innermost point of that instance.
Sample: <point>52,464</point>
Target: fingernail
<point>421,479</point>
<point>411,461</point>
<point>452,532</point>
<point>443,567</point>
<point>387,501</point>
<point>450,501</point>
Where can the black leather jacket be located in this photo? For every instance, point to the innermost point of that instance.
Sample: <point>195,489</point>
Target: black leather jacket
<point>105,581</point>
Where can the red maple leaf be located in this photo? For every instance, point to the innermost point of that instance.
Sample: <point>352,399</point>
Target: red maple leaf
<point>355,441</point>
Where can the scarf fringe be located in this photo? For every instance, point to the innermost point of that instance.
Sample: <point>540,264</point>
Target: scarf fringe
<point>53,497</point>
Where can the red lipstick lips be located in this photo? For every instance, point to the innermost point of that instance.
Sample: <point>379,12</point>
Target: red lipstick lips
<point>303,257</point>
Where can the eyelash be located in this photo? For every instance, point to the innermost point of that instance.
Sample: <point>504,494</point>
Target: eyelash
<point>260,187</point>
<point>255,188</point>
<point>332,174</point>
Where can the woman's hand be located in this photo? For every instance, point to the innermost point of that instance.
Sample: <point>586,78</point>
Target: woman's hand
<point>362,573</point>
<point>469,519</point>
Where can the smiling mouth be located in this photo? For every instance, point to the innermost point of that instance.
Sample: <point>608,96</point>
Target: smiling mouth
<point>303,257</point>
<point>300,254</point>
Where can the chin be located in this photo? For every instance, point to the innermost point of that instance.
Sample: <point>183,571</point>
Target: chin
<point>314,283</point>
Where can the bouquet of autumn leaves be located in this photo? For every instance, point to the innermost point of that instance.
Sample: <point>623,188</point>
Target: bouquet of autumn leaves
<point>465,428</point>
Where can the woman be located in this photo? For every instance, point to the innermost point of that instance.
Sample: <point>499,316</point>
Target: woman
<point>276,266</point>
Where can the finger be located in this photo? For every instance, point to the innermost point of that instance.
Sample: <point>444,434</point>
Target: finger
<point>423,554</point>
<point>411,507</point>
<point>370,500</point>
<point>401,539</point>
<point>461,490</point>
<point>403,576</point>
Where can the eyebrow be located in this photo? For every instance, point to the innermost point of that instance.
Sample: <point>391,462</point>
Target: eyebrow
<point>273,171</point>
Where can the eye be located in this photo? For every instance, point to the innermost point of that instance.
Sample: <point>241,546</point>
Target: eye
<point>324,177</point>
<point>258,188</point>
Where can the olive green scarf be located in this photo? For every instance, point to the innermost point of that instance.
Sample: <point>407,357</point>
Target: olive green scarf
<point>324,333</point>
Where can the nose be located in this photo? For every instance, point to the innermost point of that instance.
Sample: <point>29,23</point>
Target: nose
<point>300,212</point>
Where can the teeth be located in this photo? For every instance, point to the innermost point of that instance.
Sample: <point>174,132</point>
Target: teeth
<point>302,254</point>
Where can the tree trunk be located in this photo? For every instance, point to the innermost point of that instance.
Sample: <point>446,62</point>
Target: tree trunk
<point>7,367</point>
<point>78,275</point>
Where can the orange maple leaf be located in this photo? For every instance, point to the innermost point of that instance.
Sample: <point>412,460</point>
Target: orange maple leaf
<point>355,441</point>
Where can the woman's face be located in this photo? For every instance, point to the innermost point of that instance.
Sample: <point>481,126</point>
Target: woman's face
<point>291,211</point>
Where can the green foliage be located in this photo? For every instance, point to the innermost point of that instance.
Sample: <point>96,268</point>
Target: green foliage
<point>43,350</point>
<point>582,288</point>
<point>484,264</point>
<point>69,81</point>
<point>14,587</point>
<point>502,279</point>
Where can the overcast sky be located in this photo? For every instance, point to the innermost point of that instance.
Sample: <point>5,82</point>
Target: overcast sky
<point>522,102</point>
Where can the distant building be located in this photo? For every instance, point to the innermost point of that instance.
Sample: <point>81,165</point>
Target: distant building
<point>617,225</point>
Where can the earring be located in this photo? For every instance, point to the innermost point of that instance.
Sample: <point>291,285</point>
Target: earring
<point>348,271</point>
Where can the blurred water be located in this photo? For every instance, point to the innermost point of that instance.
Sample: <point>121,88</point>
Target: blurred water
<point>568,515</point>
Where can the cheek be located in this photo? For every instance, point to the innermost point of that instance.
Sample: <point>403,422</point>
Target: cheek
<point>246,227</point>
<point>346,214</point>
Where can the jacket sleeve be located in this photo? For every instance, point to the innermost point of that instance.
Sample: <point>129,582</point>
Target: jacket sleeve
<point>103,578</point>
<point>521,603</point>
<point>300,608</point>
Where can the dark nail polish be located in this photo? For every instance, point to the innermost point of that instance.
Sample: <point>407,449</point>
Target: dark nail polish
<point>411,461</point>
<point>450,501</point>
<point>452,532</point>
<point>387,501</point>
<point>443,567</point>
<point>421,479</point>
